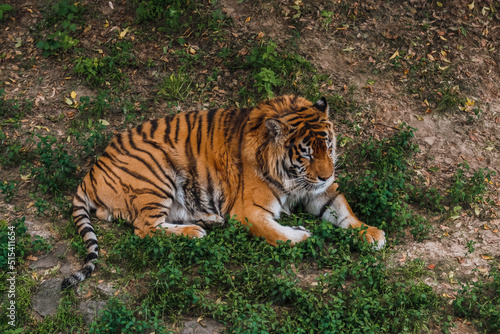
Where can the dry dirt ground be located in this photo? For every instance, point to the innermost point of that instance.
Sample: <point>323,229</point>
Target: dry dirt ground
<point>361,55</point>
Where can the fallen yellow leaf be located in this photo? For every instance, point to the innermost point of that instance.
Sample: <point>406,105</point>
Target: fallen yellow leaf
<point>247,20</point>
<point>394,55</point>
<point>123,33</point>
<point>73,95</point>
<point>487,257</point>
<point>470,102</point>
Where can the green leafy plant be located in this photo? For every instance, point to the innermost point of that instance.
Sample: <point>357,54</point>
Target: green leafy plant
<point>380,191</point>
<point>95,142</point>
<point>60,41</point>
<point>479,302</point>
<point>175,16</point>
<point>107,70</point>
<point>9,189</point>
<point>468,190</point>
<point>118,318</point>
<point>55,169</point>
<point>4,8</point>
<point>62,17</point>
<point>274,71</point>
<point>176,86</point>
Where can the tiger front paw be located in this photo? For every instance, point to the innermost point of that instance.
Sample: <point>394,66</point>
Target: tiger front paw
<point>373,235</point>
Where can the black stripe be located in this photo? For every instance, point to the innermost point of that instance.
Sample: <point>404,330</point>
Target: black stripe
<point>199,134</point>
<point>79,207</point>
<point>263,208</point>
<point>90,242</point>
<point>327,204</point>
<point>160,167</point>
<point>340,222</point>
<point>154,127</point>
<point>138,129</point>
<point>90,257</point>
<point>78,218</point>
<point>86,230</point>
<point>176,139</point>
<point>210,126</point>
<point>81,200</point>
<point>142,178</point>
<point>166,136</point>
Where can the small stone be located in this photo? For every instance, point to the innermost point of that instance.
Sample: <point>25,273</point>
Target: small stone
<point>90,310</point>
<point>46,301</point>
<point>106,289</point>
<point>430,140</point>
<point>51,259</point>
<point>206,326</point>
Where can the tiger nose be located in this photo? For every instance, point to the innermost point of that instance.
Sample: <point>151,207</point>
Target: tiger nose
<point>322,178</point>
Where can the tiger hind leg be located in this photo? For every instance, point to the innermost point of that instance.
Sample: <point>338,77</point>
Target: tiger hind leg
<point>208,220</point>
<point>147,225</point>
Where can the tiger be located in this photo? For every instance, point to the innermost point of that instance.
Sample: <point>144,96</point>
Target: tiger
<point>186,172</point>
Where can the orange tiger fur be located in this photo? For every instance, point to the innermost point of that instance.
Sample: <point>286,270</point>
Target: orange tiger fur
<point>193,169</point>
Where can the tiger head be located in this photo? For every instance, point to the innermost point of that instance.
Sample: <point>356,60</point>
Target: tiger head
<point>301,145</point>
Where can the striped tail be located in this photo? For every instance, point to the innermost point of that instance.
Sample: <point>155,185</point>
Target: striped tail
<point>81,218</point>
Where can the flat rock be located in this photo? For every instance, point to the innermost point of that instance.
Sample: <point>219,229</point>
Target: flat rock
<point>106,289</point>
<point>51,259</point>
<point>205,326</point>
<point>46,301</point>
<point>39,229</point>
<point>90,310</point>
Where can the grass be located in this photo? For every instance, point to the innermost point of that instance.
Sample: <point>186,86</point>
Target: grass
<point>379,189</point>
<point>176,86</point>
<point>479,302</point>
<point>258,287</point>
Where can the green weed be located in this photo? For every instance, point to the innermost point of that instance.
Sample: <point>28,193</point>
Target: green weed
<point>4,8</point>
<point>119,318</point>
<point>380,190</point>
<point>274,71</point>
<point>9,189</point>
<point>63,17</point>
<point>176,86</point>
<point>55,169</point>
<point>479,302</point>
<point>95,141</point>
<point>107,70</point>
<point>252,286</point>
<point>469,190</point>
<point>12,152</point>
<point>448,99</point>
<point>175,17</point>
<point>341,103</point>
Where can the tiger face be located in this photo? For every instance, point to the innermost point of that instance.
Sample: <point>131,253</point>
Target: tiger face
<point>307,144</point>
<point>311,158</point>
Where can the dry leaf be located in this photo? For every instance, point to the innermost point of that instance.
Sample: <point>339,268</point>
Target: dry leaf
<point>123,33</point>
<point>487,257</point>
<point>73,95</point>
<point>394,55</point>
<point>31,258</point>
<point>431,266</point>
<point>260,35</point>
<point>247,20</point>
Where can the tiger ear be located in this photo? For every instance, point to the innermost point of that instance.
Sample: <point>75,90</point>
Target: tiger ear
<point>322,105</point>
<point>276,128</point>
